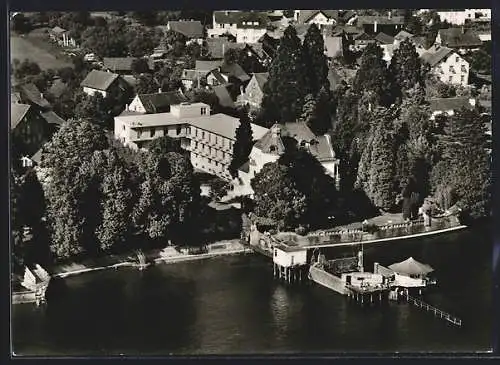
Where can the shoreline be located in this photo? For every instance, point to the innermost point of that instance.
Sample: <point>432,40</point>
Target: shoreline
<point>160,260</point>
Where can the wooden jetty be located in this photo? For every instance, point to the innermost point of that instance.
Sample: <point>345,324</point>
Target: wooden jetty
<point>437,312</point>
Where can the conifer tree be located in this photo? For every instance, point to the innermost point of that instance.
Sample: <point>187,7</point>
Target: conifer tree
<point>284,90</point>
<point>315,60</point>
<point>406,67</point>
<point>373,76</point>
<point>242,145</point>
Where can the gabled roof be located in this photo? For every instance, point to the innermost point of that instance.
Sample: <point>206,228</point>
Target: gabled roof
<point>217,47</point>
<point>348,29</point>
<point>234,70</point>
<point>261,78</point>
<point>37,157</point>
<point>241,17</point>
<point>58,88</point>
<point>271,141</point>
<point>454,37</point>
<point>306,15</point>
<point>99,80</point>
<point>52,118</point>
<point>206,66</point>
<point>446,104</point>
<point>218,76</point>
<point>119,63</point>
<point>381,20</point>
<point>190,28</point>
<point>161,102</point>
<point>402,35</point>
<point>32,94</point>
<point>383,38</point>
<point>434,57</point>
<point>224,96</point>
<point>17,113</point>
<point>333,46</point>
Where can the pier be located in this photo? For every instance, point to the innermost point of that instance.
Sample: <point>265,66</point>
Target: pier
<point>367,295</point>
<point>437,312</point>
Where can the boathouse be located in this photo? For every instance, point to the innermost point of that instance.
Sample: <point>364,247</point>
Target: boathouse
<point>289,262</point>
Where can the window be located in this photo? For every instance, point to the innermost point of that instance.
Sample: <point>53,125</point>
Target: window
<point>450,79</point>
<point>462,78</point>
<point>188,129</point>
<point>203,111</point>
<point>463,68</point>
<point>273,147</point>
<point>456,59</point>
<point>139,133</point>
<point>196,132</point>
<point>202,134</point>
<point>275,252</point>
<point>124,127</point>
<point>179,130</point>
<point>152,132</point>
<point>302,143</point>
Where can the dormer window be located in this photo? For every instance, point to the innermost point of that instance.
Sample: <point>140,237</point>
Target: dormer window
<point>203,111</point>
<point>303,144</point>
<point>272,148</point>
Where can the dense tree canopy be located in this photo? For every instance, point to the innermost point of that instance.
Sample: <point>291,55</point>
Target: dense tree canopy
<point>242,145</point>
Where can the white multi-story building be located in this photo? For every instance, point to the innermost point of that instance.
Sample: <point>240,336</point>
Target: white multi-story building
<point>447,65</point>
<point>207,138</point>
<point>459,17</point>
<point>245,26</point>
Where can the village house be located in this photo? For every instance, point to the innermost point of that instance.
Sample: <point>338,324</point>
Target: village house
<point>254,91</point>
<point>361,41</point>
<point>402,36</point>
<point>245,26</point>
<point>390,25</point>
<point>271,146</point>
<point>102,82</point>
<point>383,39</point>
<point>448,106</point>
<point>121,65</point>
<point>159,102</point>
<point>28,131</point>
<point>192,77</point>
<point>217,48</point>
<point>193,30</point>
<point>318,17</point>
<point>447,65</point>
<point>459,39</point>
<point>227,73</point>
<point>62,37</point>
<point>31,95</point>
<point>208,139</point>
<point>460,17</point>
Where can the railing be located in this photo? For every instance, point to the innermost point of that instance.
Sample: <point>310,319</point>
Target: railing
<point>437,312</point>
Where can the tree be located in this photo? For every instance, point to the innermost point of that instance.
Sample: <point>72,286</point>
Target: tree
<point>177,43</point>
<point>231,56</point>
<point>72,203</point>
<point>21,24</point>
<point>169,197</point>
<point>315,60</point>
<point>463,175</point>
<point>406,67</point>
<point>373,76</point>
<point>284,91</point>
<point>376,168</point>
<point>93,108</point>
<point>25,68</point>
<point>277,197</point>
<point>146,84</point>
<point>242,145</point>
<point>141,41</point>
<point>311,180</point>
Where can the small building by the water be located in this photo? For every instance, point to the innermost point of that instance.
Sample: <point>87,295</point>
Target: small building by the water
<point>288,256</point>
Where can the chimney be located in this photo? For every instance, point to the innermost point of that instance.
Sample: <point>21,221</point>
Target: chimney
<point>375,27</point>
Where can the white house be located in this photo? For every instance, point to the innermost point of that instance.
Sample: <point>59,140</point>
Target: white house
<point>159,102</point>
<point>207,138</point>
<point>270,147</point>
<point>289,256</point>
<point>245,26</point>
<point>459,17</point>
<point>447,65</point>
<point>99,82</point>
<point>318,17</point>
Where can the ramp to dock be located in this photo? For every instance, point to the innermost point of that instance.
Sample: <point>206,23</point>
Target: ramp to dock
<point>437,312</point>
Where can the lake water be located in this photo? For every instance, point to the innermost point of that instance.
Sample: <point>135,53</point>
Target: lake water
<point>232,305</point>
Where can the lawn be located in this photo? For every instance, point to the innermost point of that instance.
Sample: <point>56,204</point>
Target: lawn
<point>37,48</point>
